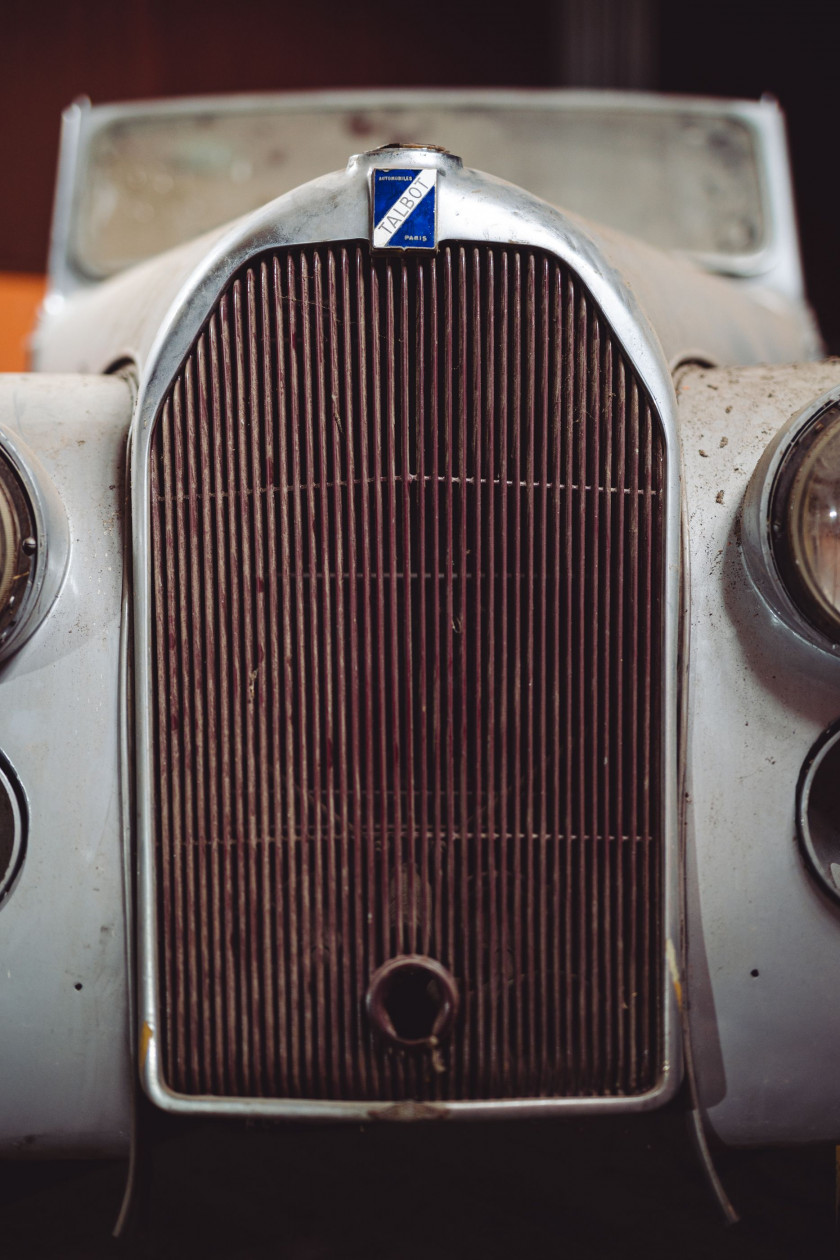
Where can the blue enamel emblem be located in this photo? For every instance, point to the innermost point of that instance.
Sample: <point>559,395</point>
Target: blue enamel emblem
<point>404,206</point>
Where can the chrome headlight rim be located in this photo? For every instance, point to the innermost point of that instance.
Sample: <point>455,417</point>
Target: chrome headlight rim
<point>18,551</point>
<point>761,550</point>
<point>14,826</point>
<point>43,527</point>
<point>816,845</point>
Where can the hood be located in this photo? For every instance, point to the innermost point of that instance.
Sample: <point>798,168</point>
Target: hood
<point>150,315</point>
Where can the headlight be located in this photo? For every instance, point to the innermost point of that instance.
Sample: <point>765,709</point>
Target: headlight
<point>18,550</point>
<point>791,524</point>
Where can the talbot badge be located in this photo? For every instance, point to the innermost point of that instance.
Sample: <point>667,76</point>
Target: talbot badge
<point>404,209</point>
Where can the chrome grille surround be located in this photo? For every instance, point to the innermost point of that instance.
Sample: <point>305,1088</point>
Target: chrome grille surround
<point>656,386</point>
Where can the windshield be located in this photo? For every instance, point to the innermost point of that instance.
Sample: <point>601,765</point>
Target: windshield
<point>679,177</point>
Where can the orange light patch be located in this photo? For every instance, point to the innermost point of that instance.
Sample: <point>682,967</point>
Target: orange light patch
<point>20,297</point>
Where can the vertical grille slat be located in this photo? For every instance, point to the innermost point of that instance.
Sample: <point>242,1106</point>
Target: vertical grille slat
<point>603,771</point>
<point>199,929</point>
<point>407,539</point>
<point>162,643</point>
<point>584,633</point>
<point>616,729</point>
<point>632,713</point>
<point>267,693</point>
<point>340,861</point>
<point>210,907</point>
<point>287,859</point>
<point>472,381</point>
<point>507,957</point>
<point>352,873</point>
<point>461,627</point>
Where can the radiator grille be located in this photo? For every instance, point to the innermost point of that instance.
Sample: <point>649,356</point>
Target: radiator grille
<point>406,552</point>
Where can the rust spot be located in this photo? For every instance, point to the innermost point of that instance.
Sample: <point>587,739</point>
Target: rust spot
<point>146,1036</point>
<point>673,967</point>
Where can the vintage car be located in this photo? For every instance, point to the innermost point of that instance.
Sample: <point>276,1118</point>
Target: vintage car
<point>419,620</point>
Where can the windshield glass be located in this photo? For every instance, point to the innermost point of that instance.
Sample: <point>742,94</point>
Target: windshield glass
<point>678,177</point>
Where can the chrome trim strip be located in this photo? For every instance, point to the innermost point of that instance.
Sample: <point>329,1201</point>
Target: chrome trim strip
<point>53,538</point>
<point>759,559</point>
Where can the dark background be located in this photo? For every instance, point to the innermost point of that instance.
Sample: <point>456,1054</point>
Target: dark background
<point>596,1189</point>
<point>592,1189</point>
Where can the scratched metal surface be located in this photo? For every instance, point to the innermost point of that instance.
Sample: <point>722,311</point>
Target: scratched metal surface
<point>63,978</point>
<point>763,941</point>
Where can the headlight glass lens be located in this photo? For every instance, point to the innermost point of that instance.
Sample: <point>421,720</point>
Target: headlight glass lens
<point>805,520</point>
